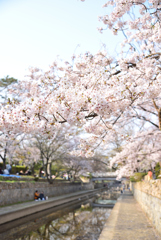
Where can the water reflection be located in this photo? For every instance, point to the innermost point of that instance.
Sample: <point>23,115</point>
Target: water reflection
<point>101,201</point>
<point>82,224</point>
<point>107,197</point>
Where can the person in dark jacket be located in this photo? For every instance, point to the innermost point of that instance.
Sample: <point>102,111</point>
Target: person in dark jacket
<point>42,197</point>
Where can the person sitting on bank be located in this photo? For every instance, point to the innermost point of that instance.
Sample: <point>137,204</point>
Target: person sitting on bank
<point>21,173</point>
<point>28,172</point>
<point>41,196</point>
<point>8,167</point>
<point>6,172</point>
<point>37,195</point>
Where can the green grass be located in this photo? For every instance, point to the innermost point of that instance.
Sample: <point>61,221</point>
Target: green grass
<point>27,176</point>
<point>31,179</point>
<point>13,181</point>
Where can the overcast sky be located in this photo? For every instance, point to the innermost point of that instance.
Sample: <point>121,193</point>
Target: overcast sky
<point>34,32</point>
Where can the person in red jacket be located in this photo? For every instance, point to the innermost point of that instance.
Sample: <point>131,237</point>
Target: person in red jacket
<point>150,175</point>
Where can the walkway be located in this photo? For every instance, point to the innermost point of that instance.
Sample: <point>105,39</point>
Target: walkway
<point>128,222</point>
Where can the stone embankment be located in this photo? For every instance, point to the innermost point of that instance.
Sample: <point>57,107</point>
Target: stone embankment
<point>148,195</point>
<point>24,191</point>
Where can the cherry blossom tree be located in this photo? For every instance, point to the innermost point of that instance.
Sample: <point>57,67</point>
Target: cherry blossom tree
<point>27,155</point>
<point>77,166</point>
<point>9,143</point>
<point>97,92</point>
<point>141,153</point>
<point>50,150</point>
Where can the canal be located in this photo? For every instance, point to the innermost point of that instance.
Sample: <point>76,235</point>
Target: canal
<point>76,222</point>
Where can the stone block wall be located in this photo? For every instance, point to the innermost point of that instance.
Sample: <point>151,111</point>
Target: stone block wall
<point>148,194</point>
<point>24,191</point>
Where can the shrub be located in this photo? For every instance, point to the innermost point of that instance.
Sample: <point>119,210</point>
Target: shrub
<point>17,169</point>
<point>37,167</point>
<point>157,170</point>
<point>36,179</point>
<point>90,176</point>
<point>137,177</point>
<point>1,178</point>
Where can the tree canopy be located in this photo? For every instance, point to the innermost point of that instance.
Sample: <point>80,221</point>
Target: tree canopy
<point>99,93</point>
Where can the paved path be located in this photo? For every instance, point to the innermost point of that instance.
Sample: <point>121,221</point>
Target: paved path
<point>128,222</point>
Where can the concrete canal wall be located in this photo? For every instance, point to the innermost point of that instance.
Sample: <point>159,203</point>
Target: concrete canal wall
<point>24,191</point>
<point>148,194</point>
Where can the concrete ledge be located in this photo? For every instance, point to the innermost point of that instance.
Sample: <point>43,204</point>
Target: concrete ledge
<point>103,205</point>
<point>8,214</point>
<point>109,227</point>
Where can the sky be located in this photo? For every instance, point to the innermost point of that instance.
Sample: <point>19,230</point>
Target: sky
<point>35,32</point>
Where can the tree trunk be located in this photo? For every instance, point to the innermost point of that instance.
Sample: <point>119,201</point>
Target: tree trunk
<point>4,164</point>
<point>74,177</point>
<point>48,172</point>
<point>32,169</point>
